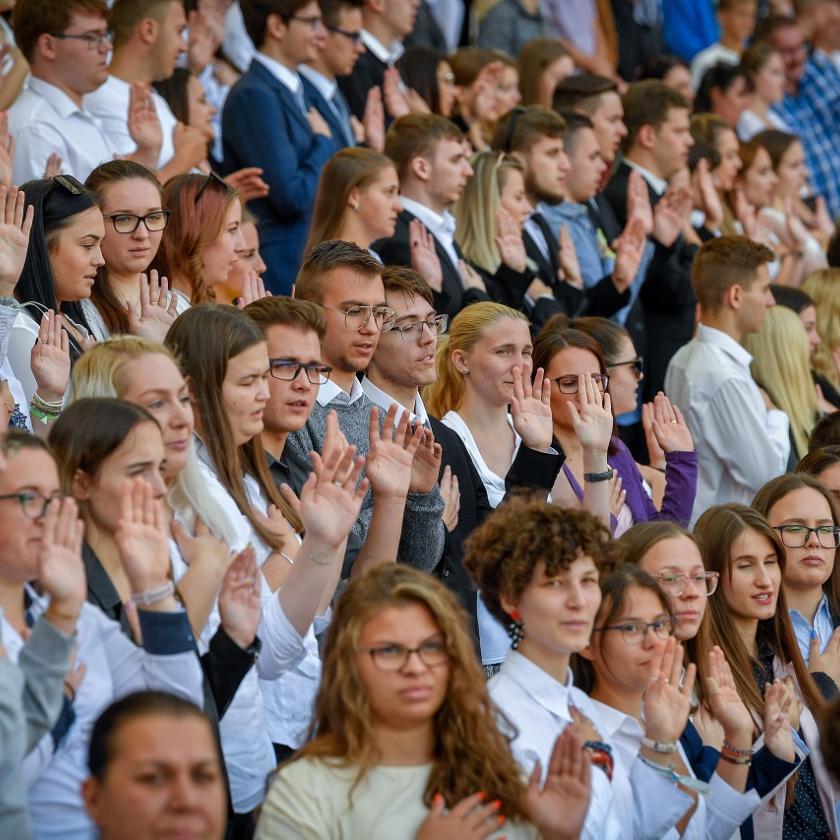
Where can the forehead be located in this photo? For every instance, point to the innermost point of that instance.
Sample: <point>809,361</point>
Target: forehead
<point>752,543</point>
<point>676,118</point>
<point>802,503</point>
<point>144,438</point>
<point>507,331</point>
<point>345,284</point>
<point>571,360</point>
<point>672,552</point>
<point>88,222</point>
<point>448,147</point>
<point>28,468</point>
<point>250,234</point>
<point>349,19</point>
<point>403,623</point>
<point>287,341</point>
<point>641,602</point>
<point>131,194</point>
<point>609,104</point>
<point>546,145</point>
<point>166,739</point>
<point>406,304</point>
<point>585,143</point>
<point>84,21</point>
<point>152,370</point>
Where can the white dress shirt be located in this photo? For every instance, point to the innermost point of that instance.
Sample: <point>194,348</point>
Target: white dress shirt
<point>109,104</point>
<point>740,444</point>
<point>44,120</point>
<point>441,226</point>
<point>236,43</point>
<point>538,707</point>
<point>387,55</point>
<point>384,401</point>
<point>657,184</point>
<point>329,391</point>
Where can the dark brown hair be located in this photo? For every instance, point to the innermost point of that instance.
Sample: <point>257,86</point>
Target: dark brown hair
<point>534,58</point>
<point>582,93</point>
<point>826,432</point>
<point>255,14</point>
<point>400,278</point>
<point>289,312</point>
<point>417,135</point>
<point>33,18</point>
<point>648,103</point>
<point>521,128</point>
<point>776,143</point>
<point>326,257</point>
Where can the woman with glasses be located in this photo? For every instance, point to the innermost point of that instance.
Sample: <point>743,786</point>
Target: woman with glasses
<point>123,300</point>
<point>429,73</point>
<point>565,353</point>
<point>750,623</point>
<point>803,511</point>
<point>357,199</point>
<point>405,744</point>
<point>199,245</point>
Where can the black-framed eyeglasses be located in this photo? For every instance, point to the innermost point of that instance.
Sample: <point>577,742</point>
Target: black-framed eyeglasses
<point>33,504</point>
<point>394,657</point>
<point>155,221</point>
<point>357,317</point>
<point>94,40</point>
<point>313,21</point>
<point>569,384</point>
<point>797,536</point>
<point>288,371</point>
<point>676,583</point>
<point>638,365</point>
<point>210,177</point>
<point>354,37</point>
<point>413,330</point>
<point>69,183</point>
<point>634,632</point>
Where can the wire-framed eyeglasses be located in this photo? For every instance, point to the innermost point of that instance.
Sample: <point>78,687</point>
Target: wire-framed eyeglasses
<point>413,330</point>
<point>394,657</point>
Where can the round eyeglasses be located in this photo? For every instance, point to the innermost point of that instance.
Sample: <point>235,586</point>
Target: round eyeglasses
<point>394,657</point>
<point>288,371</point>
<point>413,330</point>
<point>676,584</point>
<point>33,504</point>
<point>569,384</point>
<point>634,632</point>
<point>128,222</point>
<point>356,317</point>
<point>798,536</point>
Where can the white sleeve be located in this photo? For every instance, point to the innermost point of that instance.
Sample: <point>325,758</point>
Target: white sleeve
<point>282,645</point>
<point>34,143</point>
<point>21,343</point>
<point>726,808</point>
<point>658,804</point>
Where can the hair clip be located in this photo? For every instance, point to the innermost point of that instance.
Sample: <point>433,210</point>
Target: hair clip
<point>69,183</point>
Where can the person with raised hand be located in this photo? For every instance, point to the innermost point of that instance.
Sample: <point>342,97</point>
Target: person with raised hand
<point>114,665</point>
<point>385,766</point>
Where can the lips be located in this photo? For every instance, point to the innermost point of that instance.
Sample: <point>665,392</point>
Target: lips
<point>812,561</point>
<point>763,598</point>
<point>417,693</point>
<point>178,445</point>
<point>688,615</point>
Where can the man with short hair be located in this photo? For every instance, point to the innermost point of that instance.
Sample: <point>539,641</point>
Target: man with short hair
<point>66,43</point>
<point>429,154</point>
<point>148,40</point>
<point>267,123</point>
<point>742,441</point>
<point>345,282</point>
<point>737,22</point>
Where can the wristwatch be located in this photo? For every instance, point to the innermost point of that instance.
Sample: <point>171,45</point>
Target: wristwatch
<point>601,476</point>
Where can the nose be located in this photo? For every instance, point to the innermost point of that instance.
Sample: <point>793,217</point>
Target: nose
<point>574,595</point>
<point>158,485</point>
<point>96,258</point>
<point>263,393</point>
<point>413,663</point>
<point>259,265</point>
<point>239,240</point>
<point>141,232</point>
<point>813,540</point>
<point>182,792</point>
<point>650,639</point>
<point>181,416</point>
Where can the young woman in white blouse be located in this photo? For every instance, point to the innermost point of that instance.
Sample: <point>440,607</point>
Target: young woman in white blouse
<point>41,530</point>
<point>765,68</point>
<point>405,745</point>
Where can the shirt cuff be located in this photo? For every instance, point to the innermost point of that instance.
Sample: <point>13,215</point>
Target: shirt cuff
<point>166,633</point>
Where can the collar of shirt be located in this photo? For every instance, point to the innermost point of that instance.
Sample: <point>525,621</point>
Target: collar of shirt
<point>547,691</point>
<point>61,103</point>
<point>614,725</point>
<point>329,392</point>
<point>822,620</point>
<point>442,226</point>
<point>717,338</point>
<point>387,55</point>
<point>290,78</point>
<point>326,87</point>
<point>657,184</point>
<point>384,400</point>
<point>567,209</point>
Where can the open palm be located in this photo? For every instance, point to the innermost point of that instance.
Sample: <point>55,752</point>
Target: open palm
<point>531,409</point>
<point>391,454</point>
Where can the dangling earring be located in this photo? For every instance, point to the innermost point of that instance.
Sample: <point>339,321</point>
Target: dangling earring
<point>515,629</point>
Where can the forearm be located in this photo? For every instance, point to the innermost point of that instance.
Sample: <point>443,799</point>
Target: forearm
<point>304,588</point>
<point>383,539</point>
<point>596,494</point>
<point>149,159</point>
<point>14,820</point>
<point>198,590</point>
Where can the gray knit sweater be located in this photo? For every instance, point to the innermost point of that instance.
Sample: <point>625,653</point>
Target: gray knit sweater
<point>421,542</point>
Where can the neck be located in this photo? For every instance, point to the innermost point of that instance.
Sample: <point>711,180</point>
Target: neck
<point>643,158</point>
<point>723,322</point>
<point>58,81</point>
<point>381,31</point>
<point>343,378</point>
<point>125,286</point>
<point>617,697</point>
<point>131,67</point>
<point>321,67</point>
<point>731,42</point>
<point>806,601</point>
<point>354,230</point>
<point>759,107</point>
<point>273,441</point>
<point>556,665</point>
<point>274,50</point>
<point>480,415</point>
<point>746,628</point>
<point>404,395</point>
<point>569,441</point>
<point>419,193</point>
<point>11,604</point>
<point>405,747</point>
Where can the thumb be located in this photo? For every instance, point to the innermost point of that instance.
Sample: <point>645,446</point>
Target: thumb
<point>814,651</point>
<point>711,686</point>
<point>181,534</point>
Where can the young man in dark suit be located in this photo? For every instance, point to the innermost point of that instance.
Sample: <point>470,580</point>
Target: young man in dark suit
<point>268,123</point>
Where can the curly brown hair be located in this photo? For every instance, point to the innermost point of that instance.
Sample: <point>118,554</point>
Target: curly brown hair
<point>502,554</point>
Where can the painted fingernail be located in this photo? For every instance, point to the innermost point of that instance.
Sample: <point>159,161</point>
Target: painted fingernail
<point>496,803</point>
<point>501,818</point>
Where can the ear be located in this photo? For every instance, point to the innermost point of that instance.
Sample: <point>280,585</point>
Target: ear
<point>507,605</point>
<point>353,198</point>
<point>90,794</point>
<point>420,168</point>
<point>459,361</point>
<point>734,295</point>
<point>275,27</point>
<point>148,30</point>
<point>646,137</point>
<point>45,46</point>
<point>82,484</point>
<point>376,6</point>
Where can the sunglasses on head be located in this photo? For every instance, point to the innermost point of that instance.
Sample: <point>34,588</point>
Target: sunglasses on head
<point>211,177</point>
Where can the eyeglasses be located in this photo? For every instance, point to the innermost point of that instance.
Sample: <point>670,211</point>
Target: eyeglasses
<point>212,176</point>
<point>413,330</point>
<point>69,183</point>
<point>288,371</point>
<point>634,633</point>
<point>393,657</point>
<point>314,21</point>
<point>675,584</point>
<point>569,384</point>
<point>447,79</point>
<point>354,37</point>
<point>638,365</point>
<point>798,536</point>
<point>33,504</point>
<point>357,317</point>
<point>155,221</point>
<point>94,40</point>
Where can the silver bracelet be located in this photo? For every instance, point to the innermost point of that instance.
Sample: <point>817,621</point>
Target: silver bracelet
<point>661,747</point>
<point>319,560</point>
<point>154,595</point>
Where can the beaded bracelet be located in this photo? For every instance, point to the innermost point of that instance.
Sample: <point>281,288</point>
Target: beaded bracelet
<point>46,406</point>
<point>735,751</point>
<point>733,760</point>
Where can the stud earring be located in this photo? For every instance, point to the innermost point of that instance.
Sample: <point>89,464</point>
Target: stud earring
<point>354,205</point>
<point>515,629</point>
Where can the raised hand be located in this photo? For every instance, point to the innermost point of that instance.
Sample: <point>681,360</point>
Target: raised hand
<point>668,215</point>
<point>744,213</point>
<point>50,358</point>
<point>822,218</point>
<point>143,123</point>
<point>156,311</point>
<point>669,426</point>
<point>530,409</point>
<point>593,423</point>
<point>394,99</point>
<point>391,454</point>
<point>629,249</point>
<point>416,102</point>
<point>709,198</point>
<point>567,258</point>
<point>778,733</point>
<point>509,241</point>
<point>470,278</point>
<point>15,224</point>
<point>638,201</point>
<point>253,289</point>
<point>721,696</point>
<point>53,166</point>
<point>7,149</point>
<point>795,234</point>
<point>708,728</point>
<point>617,495</point>
<point>425,468</point>
<point>424,258</point>
<point>470,819</point>
<point>240,606</point>
<point>656,455</point>
<point>666,705</point>
<point>451,498</point>
<point>558,807</point>
<point>486,86</point>
<point>249,182</point>
<point>201,548</point>
<point>829,660</point>
<point>373,121</point>
<point>190,146</point>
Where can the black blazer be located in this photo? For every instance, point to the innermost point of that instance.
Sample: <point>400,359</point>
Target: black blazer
<point>453,297</point>
<point>368,72</point>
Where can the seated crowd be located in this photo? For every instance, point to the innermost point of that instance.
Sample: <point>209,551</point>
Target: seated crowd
<point>421,422</point>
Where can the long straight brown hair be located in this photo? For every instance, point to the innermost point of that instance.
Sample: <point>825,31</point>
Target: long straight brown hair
<point>204,339</point>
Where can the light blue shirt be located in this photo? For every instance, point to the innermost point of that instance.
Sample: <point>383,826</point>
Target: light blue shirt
<point>804,631</point>
<point>595,258</point>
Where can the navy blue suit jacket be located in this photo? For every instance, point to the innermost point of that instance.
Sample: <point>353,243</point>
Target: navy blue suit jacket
<point>262,125</point>
<point>314,97</point>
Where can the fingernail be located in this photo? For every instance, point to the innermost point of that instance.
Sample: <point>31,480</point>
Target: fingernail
<point>501,819</point>
<point>497,803</point>
<point>481,795</point>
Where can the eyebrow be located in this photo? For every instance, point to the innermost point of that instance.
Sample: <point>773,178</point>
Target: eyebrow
<point>798,520</point>
<point>156,209</point>
<point>150,391</point>
<point>296,360</point>
<point>94,236</point>
<point>361,303</point>
<point>437,635</point>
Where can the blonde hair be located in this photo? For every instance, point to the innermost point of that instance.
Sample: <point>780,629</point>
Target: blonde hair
<point>781,365</point>
<point>446,393</point>
<point>824,287</point>
<point>476,209</point>
<point>102,372</point>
